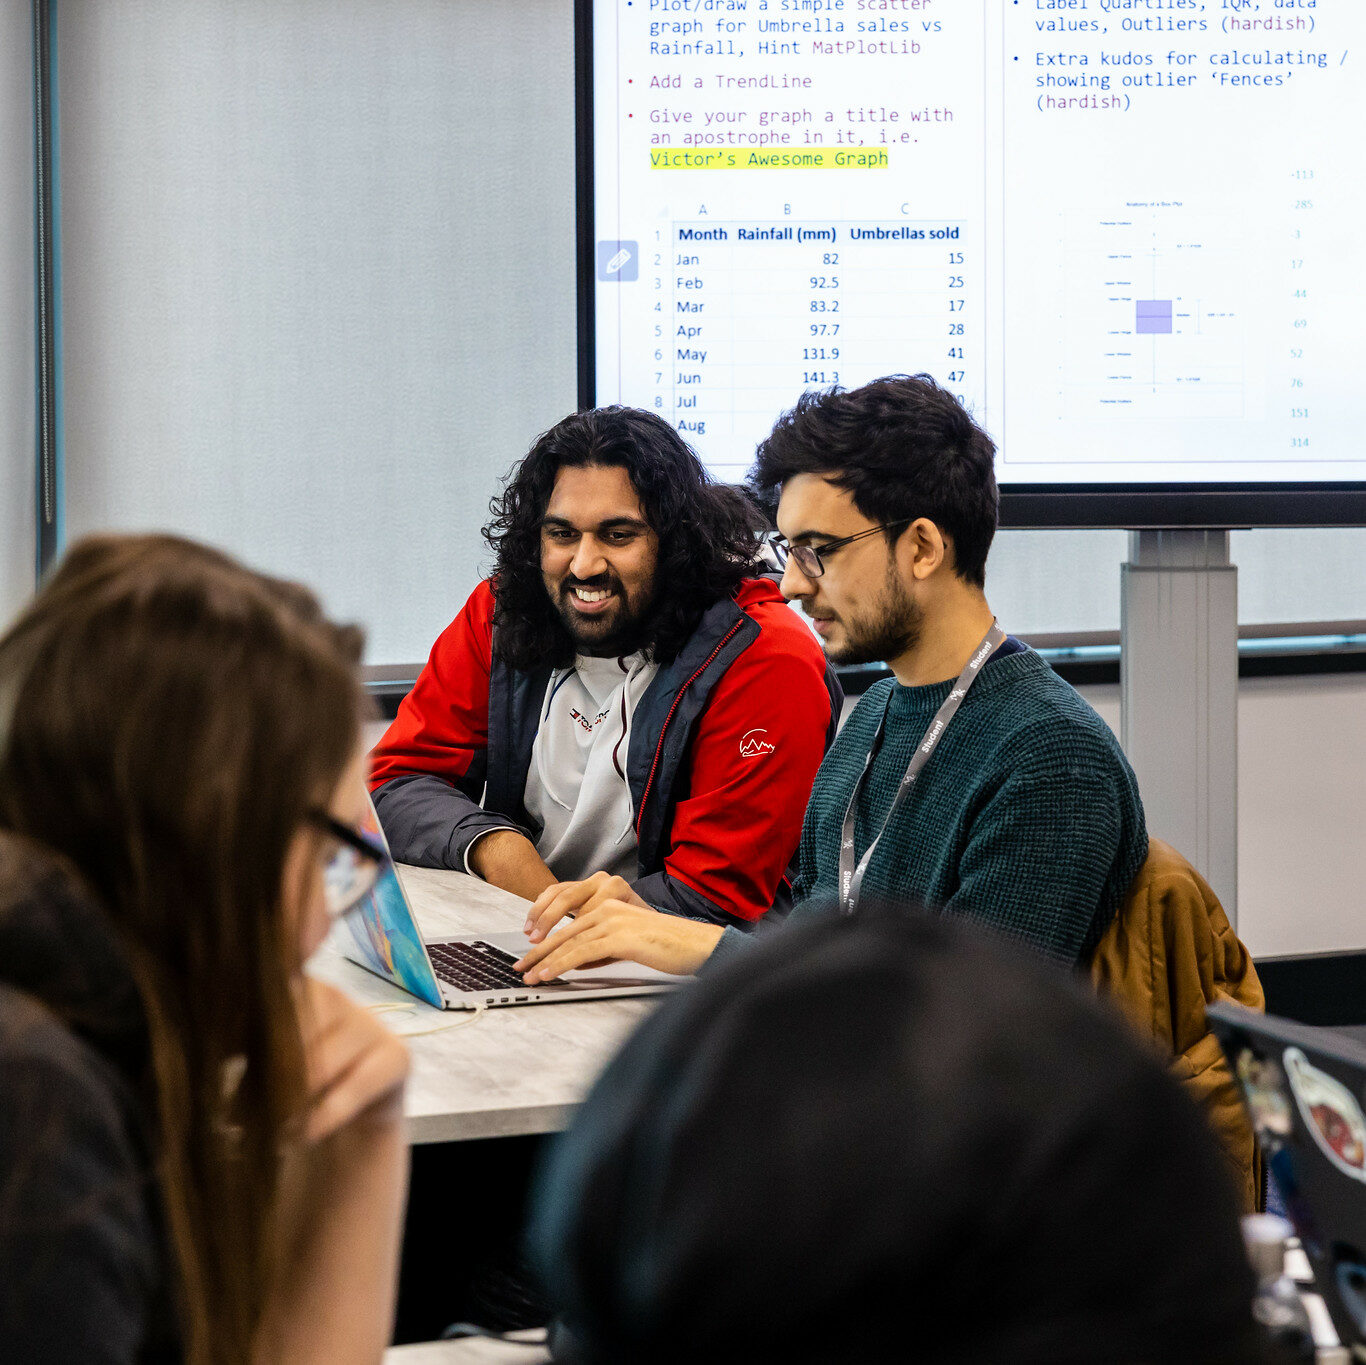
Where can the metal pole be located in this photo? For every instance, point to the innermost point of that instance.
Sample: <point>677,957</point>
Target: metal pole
<point>1179,695</point>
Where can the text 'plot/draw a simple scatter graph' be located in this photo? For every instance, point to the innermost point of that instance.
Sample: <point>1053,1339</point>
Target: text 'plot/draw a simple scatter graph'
<point>1120,230</point>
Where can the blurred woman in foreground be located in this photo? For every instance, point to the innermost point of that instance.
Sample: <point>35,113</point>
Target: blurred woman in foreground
<point>201,1150</point>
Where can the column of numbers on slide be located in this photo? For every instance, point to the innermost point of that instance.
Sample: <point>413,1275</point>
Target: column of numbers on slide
<point>749,314</point>
<point>1301,235</point>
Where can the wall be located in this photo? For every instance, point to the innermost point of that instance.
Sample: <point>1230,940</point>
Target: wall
<point>319,280</point>
<point>1301,810</point>
<point>319,293</point>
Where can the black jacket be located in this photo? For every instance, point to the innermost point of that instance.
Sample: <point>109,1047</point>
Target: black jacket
<point>84,1264</point>
<point>454,763</point>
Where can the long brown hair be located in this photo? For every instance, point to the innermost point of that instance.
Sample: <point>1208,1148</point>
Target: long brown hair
<point>167,720</point>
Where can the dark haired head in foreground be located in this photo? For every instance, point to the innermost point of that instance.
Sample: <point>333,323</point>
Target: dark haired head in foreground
<point>706,536</point>
<point>891,1139</point>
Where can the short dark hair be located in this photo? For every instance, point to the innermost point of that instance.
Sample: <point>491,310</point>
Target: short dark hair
<point>977,1162</point>
<point>904,447</point>
<point>708,533</point>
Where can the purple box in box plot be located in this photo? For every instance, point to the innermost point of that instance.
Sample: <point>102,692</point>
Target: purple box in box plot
<point>1152,315</point>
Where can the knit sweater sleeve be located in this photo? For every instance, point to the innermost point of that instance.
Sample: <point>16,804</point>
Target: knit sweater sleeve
<point>1040,859</point>
<point>734,941</point>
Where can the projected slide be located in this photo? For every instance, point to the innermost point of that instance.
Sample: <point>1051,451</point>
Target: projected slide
<point>1122,230</point>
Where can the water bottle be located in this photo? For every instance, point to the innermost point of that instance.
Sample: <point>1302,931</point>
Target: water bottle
<point>1277,1305</point>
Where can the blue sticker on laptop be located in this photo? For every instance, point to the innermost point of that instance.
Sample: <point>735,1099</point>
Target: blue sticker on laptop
<point>386,936</point>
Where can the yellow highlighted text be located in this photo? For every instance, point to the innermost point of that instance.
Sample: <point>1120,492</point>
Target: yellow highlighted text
<point>767,158</point>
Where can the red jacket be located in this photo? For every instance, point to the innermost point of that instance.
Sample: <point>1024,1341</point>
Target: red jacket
<point>724,746</point>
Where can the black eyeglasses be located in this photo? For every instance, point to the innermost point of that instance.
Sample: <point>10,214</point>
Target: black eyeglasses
<point>353,869</point>
<point>811,559</point>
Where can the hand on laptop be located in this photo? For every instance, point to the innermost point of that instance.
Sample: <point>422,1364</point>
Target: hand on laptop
<point>611,924</point>
<point>573,898</point>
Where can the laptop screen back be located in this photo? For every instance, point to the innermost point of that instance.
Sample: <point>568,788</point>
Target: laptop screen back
<point>1305,1090</point>
<point>386,935</point>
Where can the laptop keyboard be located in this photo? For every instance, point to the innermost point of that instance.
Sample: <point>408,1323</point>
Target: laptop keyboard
<point>474,966</point>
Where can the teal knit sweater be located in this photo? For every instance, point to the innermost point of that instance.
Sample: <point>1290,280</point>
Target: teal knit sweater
<point>1027,816</point>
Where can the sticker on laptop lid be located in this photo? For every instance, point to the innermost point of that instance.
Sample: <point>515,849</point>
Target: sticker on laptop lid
<point>1330,1112</point>
<point>1267,1094</point>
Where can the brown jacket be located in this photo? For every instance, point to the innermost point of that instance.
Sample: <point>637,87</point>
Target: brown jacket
<point>1169,952</point>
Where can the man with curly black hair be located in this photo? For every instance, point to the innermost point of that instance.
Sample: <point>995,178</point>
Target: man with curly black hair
<point>621,710</point>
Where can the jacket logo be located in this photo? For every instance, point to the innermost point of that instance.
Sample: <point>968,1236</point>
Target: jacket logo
<point>753,744</point>
<point>584,723</point>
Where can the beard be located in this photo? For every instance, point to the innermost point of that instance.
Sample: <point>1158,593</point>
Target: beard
<point>622,630</point>
<point>891,625</point>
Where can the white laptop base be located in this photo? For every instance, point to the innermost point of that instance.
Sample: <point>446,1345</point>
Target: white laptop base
<point>595,983</point>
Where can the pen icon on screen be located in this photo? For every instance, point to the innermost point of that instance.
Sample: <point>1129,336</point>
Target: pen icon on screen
<point>618,262</point>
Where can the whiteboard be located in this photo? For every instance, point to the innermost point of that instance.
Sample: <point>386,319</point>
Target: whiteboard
<point>1123,233</point>
<point>319,294</point>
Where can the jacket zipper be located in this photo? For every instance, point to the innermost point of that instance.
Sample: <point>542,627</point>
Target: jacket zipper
<point>664,729</point>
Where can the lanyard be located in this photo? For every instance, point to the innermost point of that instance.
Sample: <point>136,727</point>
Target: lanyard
<point>851,877</point>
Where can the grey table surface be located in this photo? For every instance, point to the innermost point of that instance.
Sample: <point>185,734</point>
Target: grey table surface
<point>515,1069</point>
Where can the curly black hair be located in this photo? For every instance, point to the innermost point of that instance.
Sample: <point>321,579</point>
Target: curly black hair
<point>707,533</point>
<point>903,446</point>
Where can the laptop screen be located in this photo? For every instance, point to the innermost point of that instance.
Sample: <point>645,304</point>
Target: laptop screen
<point>386,935</point>
<point>1304,1089</point>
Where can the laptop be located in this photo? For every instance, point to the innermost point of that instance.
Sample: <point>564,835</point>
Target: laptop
<point>1305,1090</point>
<point>473,972</point>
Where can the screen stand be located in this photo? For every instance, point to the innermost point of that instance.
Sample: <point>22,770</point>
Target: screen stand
<point>1179,695</point>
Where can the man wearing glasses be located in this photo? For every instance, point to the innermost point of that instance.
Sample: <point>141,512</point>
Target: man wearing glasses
<point>974,780</point>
